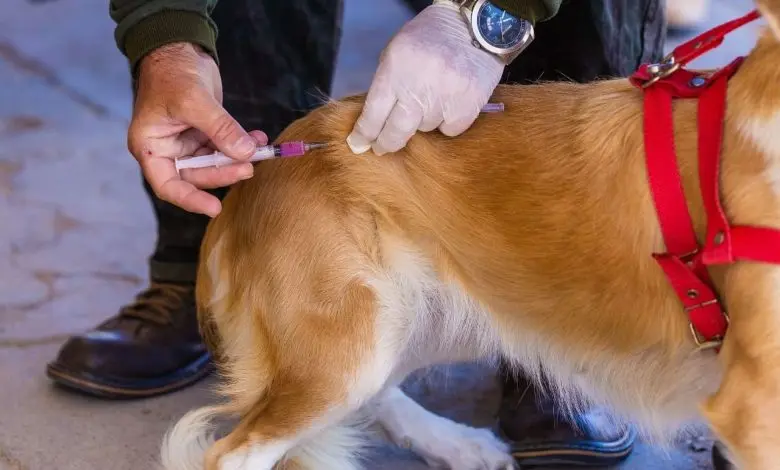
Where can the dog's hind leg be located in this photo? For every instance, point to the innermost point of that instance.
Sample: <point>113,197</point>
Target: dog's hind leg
<point>286,434</point>
<point>296,425</point>
<point>438,440</point>
<point>326,362</point>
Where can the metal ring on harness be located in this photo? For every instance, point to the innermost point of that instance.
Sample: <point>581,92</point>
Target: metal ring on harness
<point>663,69</point>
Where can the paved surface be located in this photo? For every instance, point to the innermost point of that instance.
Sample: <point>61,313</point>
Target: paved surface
<point>75,230</point>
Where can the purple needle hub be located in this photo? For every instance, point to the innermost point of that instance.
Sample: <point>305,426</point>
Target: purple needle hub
<point>292,149</point>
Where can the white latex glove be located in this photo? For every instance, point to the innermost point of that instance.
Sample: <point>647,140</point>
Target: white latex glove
<point>430,76</point>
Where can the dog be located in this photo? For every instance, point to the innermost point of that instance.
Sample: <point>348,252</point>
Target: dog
<point>326,280</point>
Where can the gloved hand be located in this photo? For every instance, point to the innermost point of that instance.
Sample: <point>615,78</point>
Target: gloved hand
<point>430,76</point>
<point>178,112</point>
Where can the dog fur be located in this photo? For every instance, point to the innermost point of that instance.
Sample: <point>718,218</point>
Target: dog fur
<point>326,280</point>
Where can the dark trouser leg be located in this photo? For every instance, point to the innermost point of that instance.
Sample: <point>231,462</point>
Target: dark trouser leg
<point>586,41</point>
<point>277,60</point>
<point>592,40</point>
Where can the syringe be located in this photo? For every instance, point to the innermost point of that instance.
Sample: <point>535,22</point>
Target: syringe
<point>267,152</point>
<point>284,150</point>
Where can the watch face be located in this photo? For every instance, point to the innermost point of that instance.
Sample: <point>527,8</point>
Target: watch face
<point>498,28</point>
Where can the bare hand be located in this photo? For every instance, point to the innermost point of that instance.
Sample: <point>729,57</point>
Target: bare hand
<point>178,112</point>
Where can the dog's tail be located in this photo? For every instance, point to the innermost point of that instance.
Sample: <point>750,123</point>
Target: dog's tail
<point>185,444</point>
<point>338,447</point>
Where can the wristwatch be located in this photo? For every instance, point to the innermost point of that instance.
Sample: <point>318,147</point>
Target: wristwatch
<point>494,29</point>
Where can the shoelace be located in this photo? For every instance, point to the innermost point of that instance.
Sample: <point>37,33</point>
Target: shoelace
<point>157,303</point>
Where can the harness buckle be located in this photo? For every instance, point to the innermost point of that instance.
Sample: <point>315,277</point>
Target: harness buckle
<point>663,69</point>
<point>703,344</point>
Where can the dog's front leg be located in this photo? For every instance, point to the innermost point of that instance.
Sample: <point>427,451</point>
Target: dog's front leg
<point>745,412</point>
<point>438,440</point>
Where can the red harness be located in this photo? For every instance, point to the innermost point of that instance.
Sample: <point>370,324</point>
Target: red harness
<point>686,261</point>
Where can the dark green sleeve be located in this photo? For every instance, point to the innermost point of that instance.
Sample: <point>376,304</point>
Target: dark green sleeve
<point>531,10</point>
<point>144,25</point>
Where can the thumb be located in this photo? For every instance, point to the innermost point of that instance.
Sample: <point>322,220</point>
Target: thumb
<point>227,135</point>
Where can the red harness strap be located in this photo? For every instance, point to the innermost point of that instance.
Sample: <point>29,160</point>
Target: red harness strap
<point>686,260</point>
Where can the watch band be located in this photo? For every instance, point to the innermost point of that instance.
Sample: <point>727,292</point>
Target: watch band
<point>466,3</point>
<point>461,4</point>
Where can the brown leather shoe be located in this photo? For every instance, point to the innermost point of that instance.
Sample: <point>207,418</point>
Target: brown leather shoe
<point>541,437</point>
<point>150,348</point>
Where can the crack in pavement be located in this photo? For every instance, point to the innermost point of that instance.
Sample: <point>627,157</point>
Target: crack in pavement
<point>48,276</point>
<point>20,343</point>
<point>20,123</point>
<point>48,279</point>
<point>10,461</point>
<point>8,171</point>
<point>33,66</point>
<point>61,224</point>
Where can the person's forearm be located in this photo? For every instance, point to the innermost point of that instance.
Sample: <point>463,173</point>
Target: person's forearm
<point>145,25</point>
<point>531,10</point>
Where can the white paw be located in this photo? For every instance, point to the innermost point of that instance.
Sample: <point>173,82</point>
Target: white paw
<point>236,460</point>
<point>440,441</point>
<point>255,457</point>
<point>457,447</point>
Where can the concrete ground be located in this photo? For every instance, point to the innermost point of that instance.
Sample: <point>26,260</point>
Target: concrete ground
<point>75,230</point>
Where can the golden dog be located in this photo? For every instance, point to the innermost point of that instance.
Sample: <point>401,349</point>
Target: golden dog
<point>326,280</point>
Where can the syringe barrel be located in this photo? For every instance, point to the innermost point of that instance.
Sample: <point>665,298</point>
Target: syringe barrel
<point>220,159</point>
<point>203,161</point>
